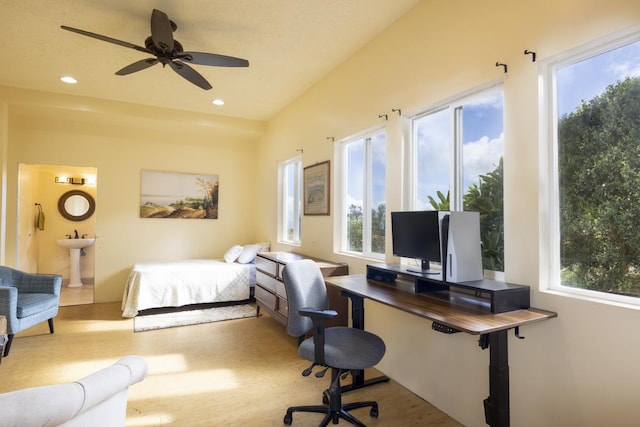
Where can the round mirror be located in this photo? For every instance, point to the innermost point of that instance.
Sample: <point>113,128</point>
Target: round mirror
<point>76,205</point>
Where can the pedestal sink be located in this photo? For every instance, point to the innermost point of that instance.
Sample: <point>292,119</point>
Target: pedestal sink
<point>74,246</point>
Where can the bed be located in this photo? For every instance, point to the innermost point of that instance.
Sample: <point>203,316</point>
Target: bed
<point>191,281</point>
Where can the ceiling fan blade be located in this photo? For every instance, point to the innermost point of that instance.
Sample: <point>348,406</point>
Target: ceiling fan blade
<point>161,31</point>
<point>137,66</point>
<point>213,59</point>
<point>190,74</point>
<point>107,39</point>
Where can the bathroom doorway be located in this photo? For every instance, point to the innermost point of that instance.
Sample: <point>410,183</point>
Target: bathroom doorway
<point>58,203</point>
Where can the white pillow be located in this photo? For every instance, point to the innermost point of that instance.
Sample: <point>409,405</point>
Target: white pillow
<point>264,246</point>
<point>233,253</point>
<point>249,252</point>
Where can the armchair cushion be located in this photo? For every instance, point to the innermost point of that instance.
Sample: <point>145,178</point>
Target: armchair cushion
<point>30,304</point>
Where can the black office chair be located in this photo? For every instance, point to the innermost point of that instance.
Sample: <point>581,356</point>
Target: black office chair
<point>340,349</point>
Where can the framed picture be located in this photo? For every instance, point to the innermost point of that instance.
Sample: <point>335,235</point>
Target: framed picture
<point>316,189</point>
<point>178,195</point>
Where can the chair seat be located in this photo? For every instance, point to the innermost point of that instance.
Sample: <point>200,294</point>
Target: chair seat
<point>30,304</point>
<point>346,348</point>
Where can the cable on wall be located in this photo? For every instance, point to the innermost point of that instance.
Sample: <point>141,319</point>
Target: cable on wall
<point>532,53</point>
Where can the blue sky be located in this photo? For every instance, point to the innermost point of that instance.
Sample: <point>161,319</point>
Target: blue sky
<point>483,144</point>
<point>590,77</point>
<point>355,185</point>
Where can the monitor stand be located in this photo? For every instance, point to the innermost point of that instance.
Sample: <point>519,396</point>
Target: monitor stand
<point>425,268</point>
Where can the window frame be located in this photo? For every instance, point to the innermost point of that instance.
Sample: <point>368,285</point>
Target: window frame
<point>282,201</point>
<point>549,194</point>
<point>456,168</point>
<point>341,223</point>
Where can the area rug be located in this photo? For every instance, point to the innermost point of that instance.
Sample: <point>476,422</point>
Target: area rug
<point>173,319</point>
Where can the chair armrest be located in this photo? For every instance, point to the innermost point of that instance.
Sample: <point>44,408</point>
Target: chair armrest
<point>37,283</point>
<point>318,317</point>
<point>9,303</point>
<point>318,314</point>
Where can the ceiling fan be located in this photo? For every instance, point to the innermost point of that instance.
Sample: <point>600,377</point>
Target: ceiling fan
<point>168,51</point>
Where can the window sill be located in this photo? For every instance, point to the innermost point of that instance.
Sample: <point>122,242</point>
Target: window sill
<point>592,296</point>
<point>360,256</point>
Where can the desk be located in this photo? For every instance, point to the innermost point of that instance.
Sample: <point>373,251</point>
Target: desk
<point>491,328</point>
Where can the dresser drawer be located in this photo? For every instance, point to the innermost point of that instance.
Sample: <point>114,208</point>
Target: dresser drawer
<point>266,298</point>
<point>283,307</point>
<point>270,292</point>
<point>267,266</point>
<point>267,281</point>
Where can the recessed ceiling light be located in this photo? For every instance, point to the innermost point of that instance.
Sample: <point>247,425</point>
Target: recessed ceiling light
<point>217,102</point>
<point>68,79</point>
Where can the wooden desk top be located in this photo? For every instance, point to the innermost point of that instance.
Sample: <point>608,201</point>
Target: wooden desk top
<point>456,314</point>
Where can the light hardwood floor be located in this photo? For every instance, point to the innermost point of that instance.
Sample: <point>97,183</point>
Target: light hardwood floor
<point>242,372</point>
<point>76,296</point>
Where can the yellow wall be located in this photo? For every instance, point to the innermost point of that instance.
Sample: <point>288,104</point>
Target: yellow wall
<point>576,370</point>
<point>120,140</point>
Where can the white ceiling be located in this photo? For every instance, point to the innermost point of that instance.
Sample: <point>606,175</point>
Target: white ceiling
<point>290,45</point>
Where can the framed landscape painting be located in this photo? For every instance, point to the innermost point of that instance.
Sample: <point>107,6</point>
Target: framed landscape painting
<point>178,195</point>
<point>316,189</point>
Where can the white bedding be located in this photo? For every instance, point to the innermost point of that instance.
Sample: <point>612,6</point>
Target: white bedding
<point>178,283</point>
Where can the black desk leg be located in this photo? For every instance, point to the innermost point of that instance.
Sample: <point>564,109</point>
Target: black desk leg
<point>357,309</point>
<point>496,406</point>
<point>357,321</point>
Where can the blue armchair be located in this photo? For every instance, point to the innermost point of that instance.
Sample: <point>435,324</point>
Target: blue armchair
<point>27,299</point>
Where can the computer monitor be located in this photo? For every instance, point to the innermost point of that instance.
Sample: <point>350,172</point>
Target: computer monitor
<point>416,234</point>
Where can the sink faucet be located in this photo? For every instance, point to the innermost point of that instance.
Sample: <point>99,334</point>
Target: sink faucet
<point>76,232</point>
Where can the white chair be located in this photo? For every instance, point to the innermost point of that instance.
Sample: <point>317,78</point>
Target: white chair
<point>98,400</point>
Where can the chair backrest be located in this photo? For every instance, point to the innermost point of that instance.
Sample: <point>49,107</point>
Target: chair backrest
<point>98,400</point>
<point>305,288</point>
<point>6,274</point>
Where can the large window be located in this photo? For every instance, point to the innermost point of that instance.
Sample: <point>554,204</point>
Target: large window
<point>363,195</point>
<point>456,164</point>
<point>594,117</point>
<point>290,196</point>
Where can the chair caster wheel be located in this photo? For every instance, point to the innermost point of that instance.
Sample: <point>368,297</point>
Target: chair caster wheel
<point>288,419</point>
<point>374,412</point>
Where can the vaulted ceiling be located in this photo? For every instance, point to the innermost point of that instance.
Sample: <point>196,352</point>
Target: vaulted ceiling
<point>290,45</point>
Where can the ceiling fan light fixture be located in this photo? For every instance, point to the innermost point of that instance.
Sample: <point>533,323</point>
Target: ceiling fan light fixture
<point>167,51</point>
<point>69,79</point>
<point>217,101</point>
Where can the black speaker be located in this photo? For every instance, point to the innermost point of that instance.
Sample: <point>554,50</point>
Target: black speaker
<point>380,275</point>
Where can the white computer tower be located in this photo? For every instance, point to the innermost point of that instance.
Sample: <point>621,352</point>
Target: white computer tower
<point>463,261</point>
